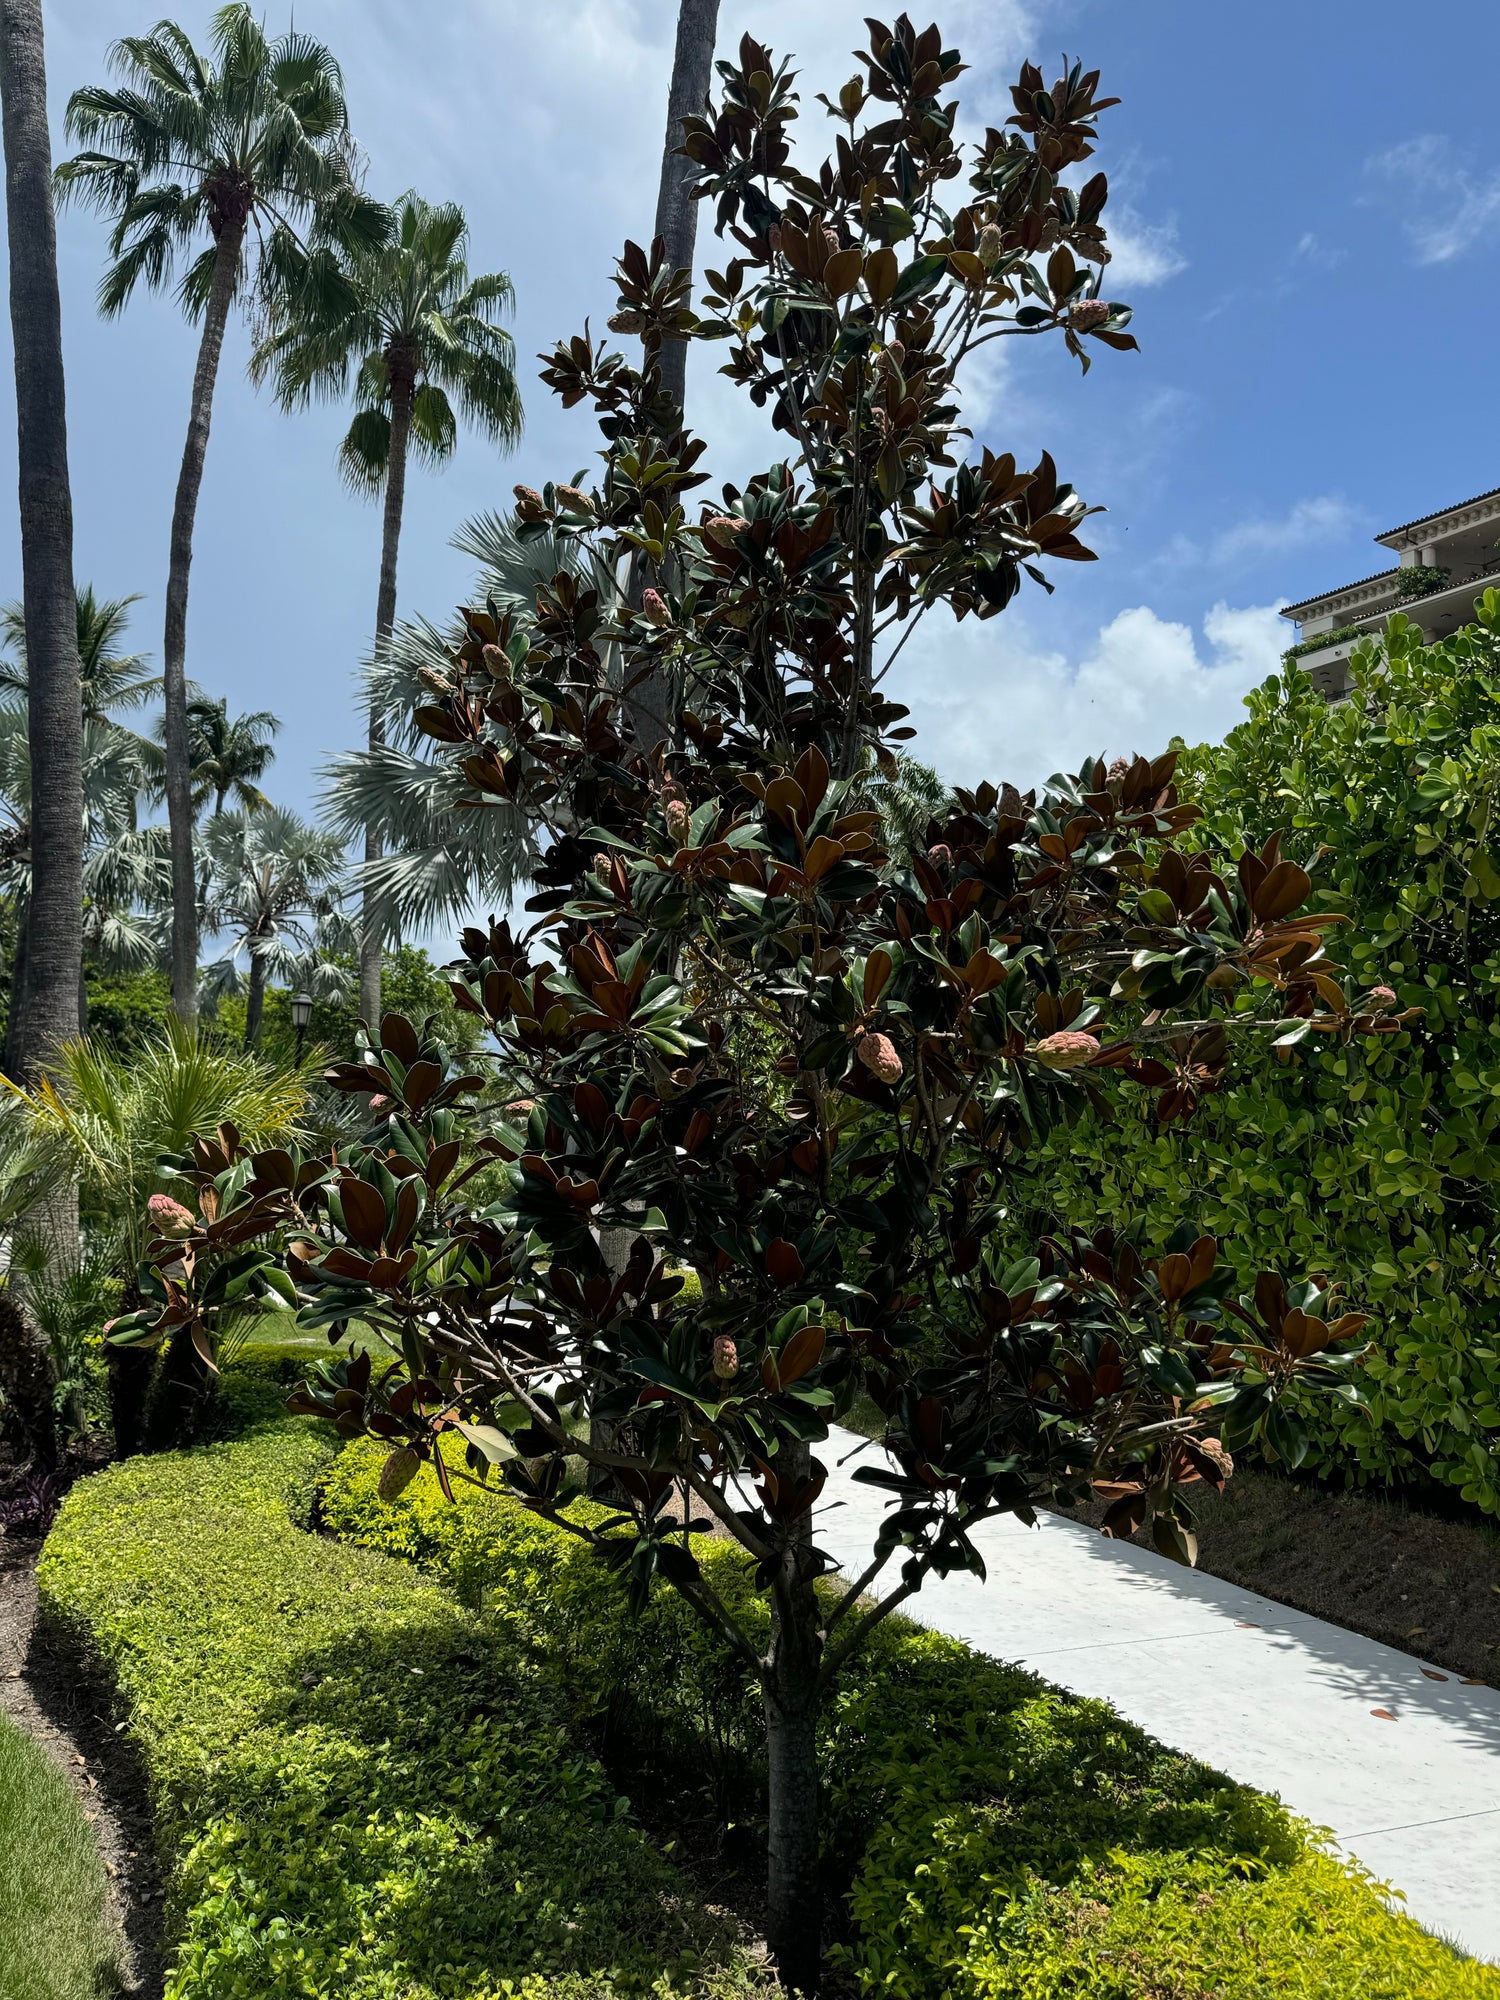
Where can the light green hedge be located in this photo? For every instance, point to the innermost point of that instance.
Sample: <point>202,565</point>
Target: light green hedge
<point>996,1838</point>
<point>357,1795</point>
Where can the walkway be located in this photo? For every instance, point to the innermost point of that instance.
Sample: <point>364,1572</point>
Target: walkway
<point>1401,1762</point>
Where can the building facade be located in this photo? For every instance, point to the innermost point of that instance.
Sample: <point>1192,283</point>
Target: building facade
<point>1442,563</point>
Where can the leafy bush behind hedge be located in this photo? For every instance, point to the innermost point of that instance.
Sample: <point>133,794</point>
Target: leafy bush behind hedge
<point>1377,1163</point>
<point>998,1838</point>
<point>356,1796</point>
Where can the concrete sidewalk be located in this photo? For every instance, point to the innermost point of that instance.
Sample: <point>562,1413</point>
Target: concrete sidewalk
<point>1399,1760</point>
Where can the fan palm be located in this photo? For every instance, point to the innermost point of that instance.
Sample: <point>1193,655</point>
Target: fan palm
<point>249,150</point>
<point>108,678</point>
<point>418,340</point>
<point>436,863</point>
<point>274,886</point>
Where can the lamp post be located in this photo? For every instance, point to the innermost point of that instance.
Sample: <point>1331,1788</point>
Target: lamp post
<point>302,1006</point>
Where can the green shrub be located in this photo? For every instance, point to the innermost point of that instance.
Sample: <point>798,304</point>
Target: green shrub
<point>356,1795</point>
<point>996,1837</point>
<point>1377,1162</point>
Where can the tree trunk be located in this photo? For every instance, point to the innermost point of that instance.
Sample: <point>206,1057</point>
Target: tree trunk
<point>45,1011</point>
<point>179,761</point>
<point>790,1694</point>
<point>255,1003</point>
<point>17,1014</point>
<point>676,215</point>
<point>385,623</point>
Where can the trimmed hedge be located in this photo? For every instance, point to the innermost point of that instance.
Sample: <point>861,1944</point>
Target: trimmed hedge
<point>357,1794</point>
<point>996,1838</point>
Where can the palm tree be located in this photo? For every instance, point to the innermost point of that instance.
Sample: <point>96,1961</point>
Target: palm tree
<point>251,149</point>
<point>229,753</point>
<point>414,334</point>
<point>437,862</point>
<point>46,1007</point>
<point>676,212</point>
<point>274,885</point>
<point>108,679</point>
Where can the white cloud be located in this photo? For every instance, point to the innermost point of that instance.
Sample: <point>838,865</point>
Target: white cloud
<point>988,703</point>
<point>1143,253</point>
<point>1445,207</point>
<point>1325,518</point>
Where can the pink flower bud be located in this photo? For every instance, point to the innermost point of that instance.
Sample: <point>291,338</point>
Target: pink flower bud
<point>726,1358</point>
<point>168,1217</point>
<point>655,608</point>
<point>1385,993</point>
<point>878,1054</point>
<point>1085,314</point>
<point>678,818</point>
<point>721,530</point>
<point>1067,1050</point>
<point>576,498</point>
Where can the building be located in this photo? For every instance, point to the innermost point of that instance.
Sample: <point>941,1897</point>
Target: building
<point>1443,562</point>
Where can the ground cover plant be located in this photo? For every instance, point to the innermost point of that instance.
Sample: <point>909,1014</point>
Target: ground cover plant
<point>58,1944</point>
<point>993,1835</point>
<point>354,1797</point>
<point>1375,1161</point>
<point>748,1037</point>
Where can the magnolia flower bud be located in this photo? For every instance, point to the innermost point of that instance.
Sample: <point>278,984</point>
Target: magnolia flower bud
<point>1385,993</point>
<point>168,1217</point>
<point>895,353</point>
<point>655,607</point>
<point>988,248</point>
<point>721,530</point>
<point>941,856</point>
<point>1067,1050</point>
<point>603,872</point>
<point>878,1054</point>
<point>1085,314</point>
<point>831,239</point>
<point>773,236</point>
<point>398,1472</point>
<point>726,1358</point>
<point>577,499</point>
<point>530,504</point>
<point>677,818</point>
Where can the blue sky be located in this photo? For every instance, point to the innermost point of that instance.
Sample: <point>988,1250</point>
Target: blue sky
<point>1306,201</point>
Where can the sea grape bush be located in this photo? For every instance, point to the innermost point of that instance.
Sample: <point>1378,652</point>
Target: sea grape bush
<point>748,1040</point>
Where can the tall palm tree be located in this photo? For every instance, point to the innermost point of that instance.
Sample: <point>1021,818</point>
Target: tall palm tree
<point>676,212</point>
<point>414,335</point>
<point>251,149</point>
<point>45,1003</point>
<point>47,1007</point>
<point>229,753</point>
<point>274,887</point>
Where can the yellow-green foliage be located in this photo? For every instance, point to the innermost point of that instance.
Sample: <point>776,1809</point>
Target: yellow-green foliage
<point>357,1795</point>
<point>998,1837</point>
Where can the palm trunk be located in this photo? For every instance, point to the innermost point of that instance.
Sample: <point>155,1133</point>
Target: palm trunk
<point>385,624</point>
<point>790,1695</point>
<point>255,1002</point>
<point>676,215</point>
<point>179,763</point>
<point>47,1004</point>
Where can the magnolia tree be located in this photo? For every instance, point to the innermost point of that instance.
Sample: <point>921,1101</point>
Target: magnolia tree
<point>745,1038</point>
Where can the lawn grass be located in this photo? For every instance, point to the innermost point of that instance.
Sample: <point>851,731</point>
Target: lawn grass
<point>55,1940</point>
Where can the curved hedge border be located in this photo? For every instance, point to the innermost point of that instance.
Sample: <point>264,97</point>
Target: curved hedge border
<point>357,1794</point>
<point>998,1839</point>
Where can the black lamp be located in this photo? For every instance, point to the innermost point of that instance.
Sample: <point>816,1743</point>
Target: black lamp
<point>302,1006</point>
